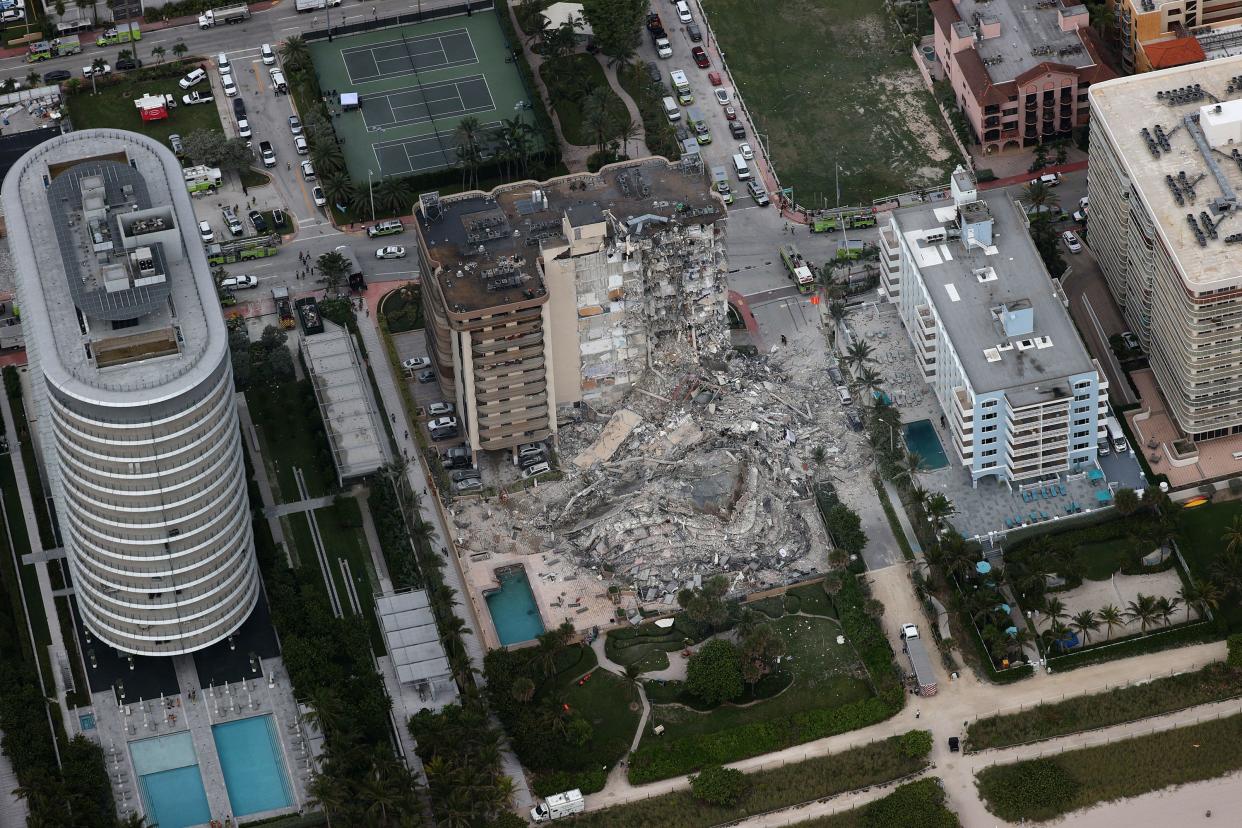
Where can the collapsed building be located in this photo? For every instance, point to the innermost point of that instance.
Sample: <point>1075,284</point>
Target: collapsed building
<point>540,298</point>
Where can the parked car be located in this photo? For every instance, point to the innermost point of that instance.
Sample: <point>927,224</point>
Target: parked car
<point>529,449</point>
<point>197,98</point>
<point>268,154</point>
<point>308,170</point>
<point>730,112</point>
<point>127,64</point>
<point>233,222</point>
<point>318,196</point>
<point>426,376</point>
<point>226,83</point>
<point>440,409</point>
<point>88,71</point>
<point>392,251</point>
<point>269,56</point>
<point>700,57</point>
<point>1131,341</point>
<point>1049,179</point>
<point>532,460</point>
<point>537,469</point>
<point>694,32</point>
<point>299,144</point>
<point>455,458</point>
<point>954,744</point>
<point>653,71</point>
<point>682,133</point>
<point>1071,241</point>
<point>174,141</point>
<point>714,77</point>
<point>243,128</point>
<point>239,108</point>
<point>465,474</point>
<point>194,78</point>
<point>683,11</point>
<point>723,97</point>
<point>295,125</point>
<point>416,362</point>
<point>757,192</point>
<point>279,218</point>
<point>736,129</point>
<point>746,152</point>
<point>205,232</point>
<point>256,219</point>
<point>471,485</point>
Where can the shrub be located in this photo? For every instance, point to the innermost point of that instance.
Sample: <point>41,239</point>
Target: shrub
<point>588,781</point>
<point>1234,642</point>
<point>918,803</point>
<point>916,743</point>
<point>719,786</point>
<point>714,673</point>
<point>12,382</point>
<point>1040,785</point>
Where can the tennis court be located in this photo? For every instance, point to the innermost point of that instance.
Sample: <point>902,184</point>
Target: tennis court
<point>406,56</point>
<point>415,84</point>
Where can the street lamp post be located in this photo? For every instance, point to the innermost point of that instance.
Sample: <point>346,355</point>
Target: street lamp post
<point>371,192</point>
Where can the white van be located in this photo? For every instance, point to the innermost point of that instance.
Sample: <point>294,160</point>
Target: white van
<point>843,394</point>
<point>538,468</point>
<point>269,57</point>
<point>672,110</point>
<point>222,62</point>
<point>743,169</point>
<point>683,11</point>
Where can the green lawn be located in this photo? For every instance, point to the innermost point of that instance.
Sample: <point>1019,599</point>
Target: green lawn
<point>830,82</point>
<point>824,674</point>
<point>609,702</point>
<point>114,107</point>
<point>402,308</point>
<point>288,424</point>
<point>569,80</point>
<point>1199,538</point>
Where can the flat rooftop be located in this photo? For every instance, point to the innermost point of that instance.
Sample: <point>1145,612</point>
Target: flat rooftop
<point>1030,34</point>
<point>967,285</point>
<point>355,431</point>
<point>112,280</point>
<point>487,245</point>
<point>1126,107</point>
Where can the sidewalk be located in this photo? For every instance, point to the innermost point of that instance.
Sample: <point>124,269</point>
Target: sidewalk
<point>1024,178</point>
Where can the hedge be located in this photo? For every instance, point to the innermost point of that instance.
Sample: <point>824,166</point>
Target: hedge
<point>666,757</point>
<point>1151,643</point>
<point>769,790</point>
<point>918,804</point>
<point>1213,683</point>
<point>1043,789</point>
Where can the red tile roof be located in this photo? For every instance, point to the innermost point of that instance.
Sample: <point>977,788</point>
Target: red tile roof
<point>1180,51</point>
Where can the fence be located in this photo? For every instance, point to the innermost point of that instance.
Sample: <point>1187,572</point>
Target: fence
<point>419,16</point>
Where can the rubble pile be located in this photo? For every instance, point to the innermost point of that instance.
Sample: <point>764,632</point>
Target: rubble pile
<point>706,468</point>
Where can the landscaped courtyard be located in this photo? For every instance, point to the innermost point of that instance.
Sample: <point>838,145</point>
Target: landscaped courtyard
<point>114,107</point>
<point>830,82</point>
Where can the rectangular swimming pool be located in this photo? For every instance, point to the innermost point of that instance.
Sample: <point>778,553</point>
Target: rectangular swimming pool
<point>250,759</point>
<point>169,782</point>
<point>922,440</point>
<point>513,607</point>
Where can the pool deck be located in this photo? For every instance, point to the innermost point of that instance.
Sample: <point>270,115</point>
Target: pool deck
<point>115,727</point>
<point>554,583</point>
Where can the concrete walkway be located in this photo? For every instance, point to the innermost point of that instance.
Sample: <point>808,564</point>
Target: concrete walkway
<point>260,474</point>
<point>637,147</point>
<point>307,505</point>
<point>13,811</point>
<point>373,542</point>
<point>431,511</point>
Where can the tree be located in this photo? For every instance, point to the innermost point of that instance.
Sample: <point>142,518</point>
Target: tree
<point>627,129</point>
<point>97,66</point>
<point>617,25</point>
<point>1143,609</point>
<point>295,55</point>
<point>716,785</point>
<point>1126,501</point>
<point>393,195</point>
<point>469,134</point>
<point>523,689</point>
<point>858,353</point>
<point>845,529</point>
<point>1085,623</point>
<point>1111,617</point>
<point>1233,536</point>
<point>939,509</point>
<point>760,651</point>
<point>59,6</point>
<point>125,54</point>
<point>869,381</point>
<point>597,116</point>
<point>1056,635</point>
<point>915,743</point>
<point>33,78</point>
<point>205,146</point>
<point>707,604</point>
<point>327,157</point>
<point>1201,596</point>
<point>1048,242</point>
<point>234,156</point>
<point>158,53</point>
<point>1166,607</point>
<point>561,41</point>
<point>1054,609</point>
<point>333,268</point>
<point>179,49</point>
<point>714,673</point>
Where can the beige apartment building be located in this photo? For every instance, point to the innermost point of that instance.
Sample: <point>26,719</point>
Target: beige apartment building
<point>1162,34</point>
<point>1166,169</point>
<point>132,391</point>
<point>541,296</point>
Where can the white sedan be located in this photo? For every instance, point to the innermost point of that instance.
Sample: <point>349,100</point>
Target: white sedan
<point>723,97</point>
<point>1071,241</point>
<point>746,152</point>
<point>230,88</point>
<point>392,251</point>
<point>318,195</point>
<point>416,362</point>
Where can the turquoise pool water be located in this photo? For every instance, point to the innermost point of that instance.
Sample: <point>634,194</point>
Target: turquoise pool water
<point>169,781</point>
<point>87,721</point>
<point>922,440</point>
<point>513,607</point>
<point>254,773</point>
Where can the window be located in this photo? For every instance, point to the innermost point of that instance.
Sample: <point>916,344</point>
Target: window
<point>986,429</point>
<point>991,464</point>
<point>989,416</point>
<point>988,453</point>
<point>989,403</point>
<point>988,440</point>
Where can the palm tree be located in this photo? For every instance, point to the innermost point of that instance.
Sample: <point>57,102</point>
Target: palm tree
<point>858,353</point>
<point>597,118</point>
<point>393,195</point>
<point>870,381</point>
<point>1038,195</point>
<point>33,78</point>
<point>1111,617</point>
<point>469,152</point>
<point>1227,568</point>
<point>1233,536</point>
<point>939,509</point>
<point>179,49</point>
<point>158,53</point>
<point>1054,637</point>
<point>59,6</point>
<point>333,268</point>
<point>336,187</point>
<point>1054,609</point>
<point>97,66</point>
<point>909,466</point>
<point>329,793</point>
<point>1201,596</point>
<point>327,157</point>
<point>516,135</point>
<point>1126,501</point>
<point>1144,610</point>
<point>125,54</point>
<point>83,5</point>
<point>1166,607</point>
<point>627,130</point>
<point>836,310</point>
<point>1085,623</point>
<point>294,55</point>
<point>522,689</point>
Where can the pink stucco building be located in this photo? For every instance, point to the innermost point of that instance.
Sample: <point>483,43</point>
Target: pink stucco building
<point>1019,68</point>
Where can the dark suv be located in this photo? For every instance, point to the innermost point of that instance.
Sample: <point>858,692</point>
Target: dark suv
<point>239,107</point>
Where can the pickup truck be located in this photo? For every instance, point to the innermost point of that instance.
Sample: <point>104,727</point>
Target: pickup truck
<point>196,98</point>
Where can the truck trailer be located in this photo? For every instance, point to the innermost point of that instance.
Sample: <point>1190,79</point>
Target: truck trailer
<point>924,678</point>
<point>228,14</point>
<point>313,5</point>
<point>559,805</point>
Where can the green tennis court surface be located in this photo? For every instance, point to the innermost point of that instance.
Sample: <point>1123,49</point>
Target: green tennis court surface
<point>415,84</point>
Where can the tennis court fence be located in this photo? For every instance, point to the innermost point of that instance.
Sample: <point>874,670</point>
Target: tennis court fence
<point>374,23</point>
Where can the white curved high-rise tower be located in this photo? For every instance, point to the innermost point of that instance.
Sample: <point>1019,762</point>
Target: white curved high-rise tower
<point>133,391</point>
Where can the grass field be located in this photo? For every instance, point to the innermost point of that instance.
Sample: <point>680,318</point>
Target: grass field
<point>286,427</point>
<point>114,107</point>
<point>829,82</point>
<point>1043,789</point>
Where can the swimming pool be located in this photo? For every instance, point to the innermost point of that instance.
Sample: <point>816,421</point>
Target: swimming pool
<point>169,781</point>
<point>254,772</point>
<point>922,440</point>
<point>513,607</point>
<point>86,721</point>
